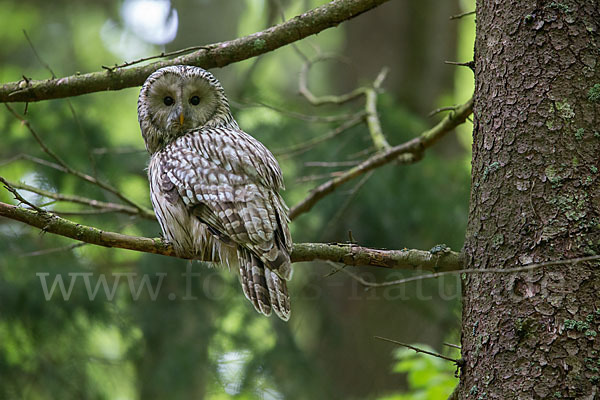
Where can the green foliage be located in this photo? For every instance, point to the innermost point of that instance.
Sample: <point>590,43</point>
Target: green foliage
<point>429,378</point>
<point>579,326</point>
<point>559,6</point>
<point>594,93</point>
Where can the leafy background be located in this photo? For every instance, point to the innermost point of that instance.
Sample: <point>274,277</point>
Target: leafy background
<point>216,346</point>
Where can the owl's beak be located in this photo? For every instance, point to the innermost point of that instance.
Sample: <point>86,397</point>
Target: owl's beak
<point>176,119</point>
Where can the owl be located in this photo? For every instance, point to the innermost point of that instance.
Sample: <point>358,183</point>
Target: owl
<point>214,188</point>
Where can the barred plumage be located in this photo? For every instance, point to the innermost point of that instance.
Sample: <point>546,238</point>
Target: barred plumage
<point>214,188</point>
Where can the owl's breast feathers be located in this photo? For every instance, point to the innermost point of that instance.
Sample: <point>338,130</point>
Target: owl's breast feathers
<point>227,181</point>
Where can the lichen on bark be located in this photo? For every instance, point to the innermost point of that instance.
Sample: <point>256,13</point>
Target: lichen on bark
<point>533,335</point>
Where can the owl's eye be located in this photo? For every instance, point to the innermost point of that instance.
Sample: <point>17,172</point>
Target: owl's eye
<point>194,100</point>
<point>168,101</point>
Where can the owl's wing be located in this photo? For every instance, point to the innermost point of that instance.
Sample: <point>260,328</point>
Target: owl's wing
<point>230,181</point>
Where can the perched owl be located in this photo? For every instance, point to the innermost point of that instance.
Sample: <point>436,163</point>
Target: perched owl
<point>214,188</point>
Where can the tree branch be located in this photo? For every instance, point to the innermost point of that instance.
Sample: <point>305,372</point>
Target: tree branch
<point>411,149</point>
<point>97,204</point>
<point>346,253</point>
<point>63,166</point>
<point>369,92</point>
<point>373,123</point>
<point>17,196</point>
<point>214,55</point>
<point>352,254</point>
<point>327,99</point>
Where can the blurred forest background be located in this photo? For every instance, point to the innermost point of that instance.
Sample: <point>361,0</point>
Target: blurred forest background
<point>217,346</point>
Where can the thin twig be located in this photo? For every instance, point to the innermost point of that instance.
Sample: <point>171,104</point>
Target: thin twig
<point>161,55</point>
<point>469,64</point>
<point>38,139</point>
<point>333,272</point>
<point>350,196</point>
<point>53,250</point>
<point>316,48</point>
<point>69,103</point>
<point>310,178</point>
<point>18,197</point>
<point>309,144</point>
<point>439,110</point>
<point>99,211</point>
<point>299,52</point>
<point>44,64</point>
<point>100,205</point>
<point>461,15</point>
<point>293,114</point>
<point>368,285</point>
<point>380,78</point>
<point>85,134</point>
<point>33,159</point>
<point>454,346</point>
<point>72,171</point>
<point>329,99</point>
<point>413,147</point>
<point>332,164</point>
<point>247,78</point>
<point>418,350</point>
<point>358,186</point>
<point>280,9</point>
<point>362,153</point>
<point>373,123</point>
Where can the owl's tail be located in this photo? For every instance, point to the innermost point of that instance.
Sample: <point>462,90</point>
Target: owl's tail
<point>262,286</point>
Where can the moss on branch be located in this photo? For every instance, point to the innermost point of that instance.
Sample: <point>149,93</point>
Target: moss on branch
<point>352,254</point>
<point>349,254</point>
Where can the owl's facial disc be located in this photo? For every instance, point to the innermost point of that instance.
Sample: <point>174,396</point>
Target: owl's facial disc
<point>182,103</point>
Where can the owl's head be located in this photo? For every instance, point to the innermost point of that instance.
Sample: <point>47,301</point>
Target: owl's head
<point>176,99</point>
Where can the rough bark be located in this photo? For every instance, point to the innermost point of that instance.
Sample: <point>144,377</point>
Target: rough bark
<point>535,197</point>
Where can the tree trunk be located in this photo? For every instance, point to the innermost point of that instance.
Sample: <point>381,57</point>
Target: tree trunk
<point>534,198</point>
